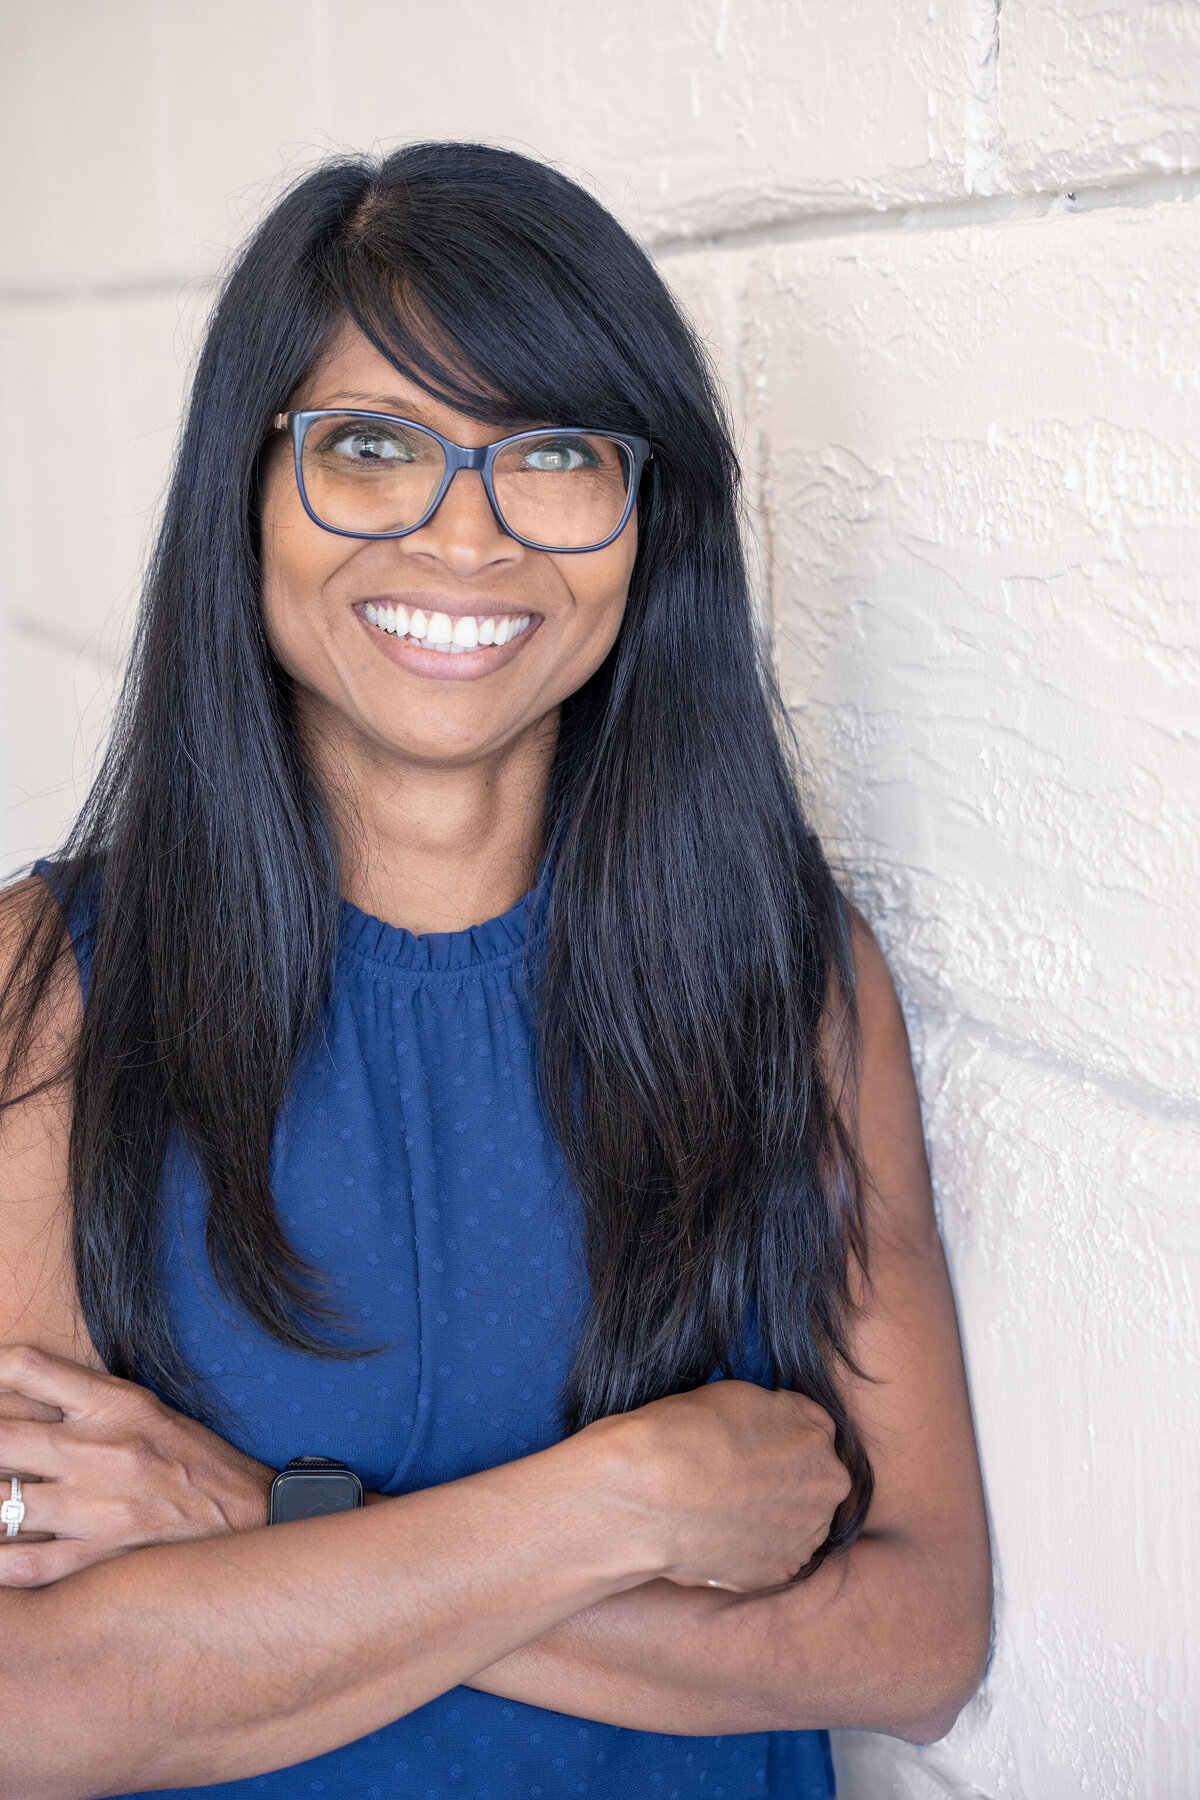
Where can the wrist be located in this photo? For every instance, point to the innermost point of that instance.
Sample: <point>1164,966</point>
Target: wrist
<point>252,1506</point>
<point>618,1471</point>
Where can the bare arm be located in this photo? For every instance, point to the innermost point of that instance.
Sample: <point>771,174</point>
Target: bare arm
<point>892,1636</point>
<point>271,1646</point>
<point>180,1664</point>
<point>889,1638</point>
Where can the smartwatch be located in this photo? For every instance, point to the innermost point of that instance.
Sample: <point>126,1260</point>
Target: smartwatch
<point>310,1486</point>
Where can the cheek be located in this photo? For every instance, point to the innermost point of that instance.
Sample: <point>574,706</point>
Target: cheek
<point>601,586</point>
<point>294,573</point>
<point>277,555</point>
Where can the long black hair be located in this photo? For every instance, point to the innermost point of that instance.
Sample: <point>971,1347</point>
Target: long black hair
<point>696,945</point>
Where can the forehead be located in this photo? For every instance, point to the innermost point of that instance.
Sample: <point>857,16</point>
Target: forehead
<point>354,373</point>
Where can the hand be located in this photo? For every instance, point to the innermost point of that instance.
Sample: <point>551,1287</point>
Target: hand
<point>120,1470</point>
<point>741,1482</point>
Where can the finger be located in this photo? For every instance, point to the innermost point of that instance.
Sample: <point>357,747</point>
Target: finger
<point>805,1402</point>
<point>41,1375</point>
<point>61,1509</point>
<point>50,1506</point>
<point>726,1587</point>
<point>36,1565</point>
<point>30,1447</point>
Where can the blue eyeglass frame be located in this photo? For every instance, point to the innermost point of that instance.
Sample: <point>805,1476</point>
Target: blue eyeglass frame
<point>463,456</point>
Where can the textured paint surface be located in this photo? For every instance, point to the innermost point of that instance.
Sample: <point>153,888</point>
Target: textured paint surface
<point>1097,91</point>
<point>946,254</point>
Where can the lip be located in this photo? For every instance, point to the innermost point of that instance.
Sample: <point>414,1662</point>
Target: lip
<point>436,665</point>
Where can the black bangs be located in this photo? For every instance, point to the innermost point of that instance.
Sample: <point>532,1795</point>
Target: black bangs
<point>507,308</point>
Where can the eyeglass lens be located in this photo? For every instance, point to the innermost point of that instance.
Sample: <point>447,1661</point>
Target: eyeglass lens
<point>565,490</point>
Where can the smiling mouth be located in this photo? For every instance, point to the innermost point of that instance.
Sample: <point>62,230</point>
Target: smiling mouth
<point>440,631</point>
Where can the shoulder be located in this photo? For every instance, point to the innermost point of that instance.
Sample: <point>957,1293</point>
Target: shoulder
<point>860,1038</point>
<point>878,1096</point>
<point>41,1006</point>
<point>883,1035</point>
<point>40,1014</point>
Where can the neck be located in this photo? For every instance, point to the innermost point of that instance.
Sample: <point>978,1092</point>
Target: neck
<point>434,846</point>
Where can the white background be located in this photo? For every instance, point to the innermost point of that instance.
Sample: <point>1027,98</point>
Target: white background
<point>947,253</point>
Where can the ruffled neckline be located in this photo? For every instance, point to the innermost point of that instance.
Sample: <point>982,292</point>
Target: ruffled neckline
<point>439,952</point>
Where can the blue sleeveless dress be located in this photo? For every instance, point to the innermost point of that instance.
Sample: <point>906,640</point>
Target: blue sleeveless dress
<point>414,1163</point>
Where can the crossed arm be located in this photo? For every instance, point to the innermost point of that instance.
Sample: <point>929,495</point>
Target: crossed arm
<point>891,1636</point>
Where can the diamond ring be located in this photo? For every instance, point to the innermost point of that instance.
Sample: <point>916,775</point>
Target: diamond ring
<point>13,1511</point>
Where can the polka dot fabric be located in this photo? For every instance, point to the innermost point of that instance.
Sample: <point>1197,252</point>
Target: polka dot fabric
<point>415,1166</point>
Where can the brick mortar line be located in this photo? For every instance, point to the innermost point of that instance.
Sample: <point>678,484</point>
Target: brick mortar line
<point>1130,1092</point>
<point>55,637</point>
<point>941,215</point>
<point>796,227</point>
<point>150,287</point>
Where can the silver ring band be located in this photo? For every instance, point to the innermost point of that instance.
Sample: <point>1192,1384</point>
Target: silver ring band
<point>13,1511</point>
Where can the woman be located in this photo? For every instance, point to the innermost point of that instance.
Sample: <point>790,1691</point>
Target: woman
<point>481,1083</point>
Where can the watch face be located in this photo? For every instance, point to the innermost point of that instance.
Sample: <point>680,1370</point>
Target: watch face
<point>311,1493</point>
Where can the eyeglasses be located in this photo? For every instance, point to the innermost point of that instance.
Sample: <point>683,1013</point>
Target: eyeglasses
<point>373,475</point>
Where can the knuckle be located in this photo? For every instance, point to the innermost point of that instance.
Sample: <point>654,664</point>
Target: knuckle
<point>138,1401</point>
<point>135,1460</point>
<point>126,1518</point>
<point>21,1567</point>
<point>117,1464</point>
<point>20,1359</point>
<point>121,1401</point>
<point>838,1481</point>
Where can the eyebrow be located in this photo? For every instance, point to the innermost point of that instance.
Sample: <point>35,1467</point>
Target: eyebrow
<point>416,410</point>
<point>371,403</point>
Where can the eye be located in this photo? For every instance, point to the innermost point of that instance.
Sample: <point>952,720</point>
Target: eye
<point>560,456</point>
<point>366,445</point>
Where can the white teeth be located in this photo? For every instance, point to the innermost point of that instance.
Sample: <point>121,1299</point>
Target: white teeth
<point>439,631</point>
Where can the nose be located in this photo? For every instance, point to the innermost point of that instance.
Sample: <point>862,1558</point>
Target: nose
<point>464,533</point>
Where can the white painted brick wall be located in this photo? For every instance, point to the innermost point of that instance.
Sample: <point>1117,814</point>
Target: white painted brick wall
<point>947,253</point>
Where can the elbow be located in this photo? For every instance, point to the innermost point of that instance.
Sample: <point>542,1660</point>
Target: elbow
<point>936,1691</point>
<point>915,1694</point>
<point>944,1648</point>
<point>907,1666</point>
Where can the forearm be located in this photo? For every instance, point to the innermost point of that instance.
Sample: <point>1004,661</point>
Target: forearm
<point>889,1637</point>
<point>276,1645</point>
